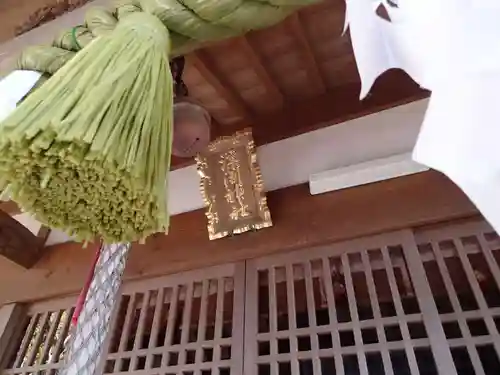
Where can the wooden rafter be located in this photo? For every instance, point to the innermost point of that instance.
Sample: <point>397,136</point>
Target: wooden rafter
<point>202,62</point>
<point>295,25</point>
<point>9,207</point>
<point>259,68</point>
<point>17,243</point>
<point>336,106</point>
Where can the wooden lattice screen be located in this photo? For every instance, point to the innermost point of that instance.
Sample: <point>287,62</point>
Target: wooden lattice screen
<point>185,324</point>
<point>40,344</point>
<point>402,303</point>
<point>411,302</point>
<point>462,266</point>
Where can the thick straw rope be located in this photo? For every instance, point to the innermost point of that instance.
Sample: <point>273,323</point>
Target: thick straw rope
<point>190,23</point>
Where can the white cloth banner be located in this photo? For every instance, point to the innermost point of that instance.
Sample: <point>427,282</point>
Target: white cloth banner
<point>13,88</point>
<point>452,48</point>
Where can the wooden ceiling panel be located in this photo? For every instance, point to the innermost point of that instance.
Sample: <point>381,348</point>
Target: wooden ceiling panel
<point>298,85</point>
<point>253,56</point>
<point>340,71</point>
<point>244,78</point>
<point>295,25</point>
<point>268,72</point>
<point>272,42</point>
<point>292,74</point>
<point>260,98</point>
<point>285,64</point>
<point>207,95</point>
<point>243,71</point>
<point>227,56</point>
<point>192,76</point>
<point>336,47</point>
<point>202,62</point>
<point>218,108</point>
<point>221,112</point>
<point>341,77</point>
<point>324,20</point>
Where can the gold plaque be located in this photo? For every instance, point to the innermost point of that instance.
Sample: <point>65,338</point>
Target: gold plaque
<point>231,185</point>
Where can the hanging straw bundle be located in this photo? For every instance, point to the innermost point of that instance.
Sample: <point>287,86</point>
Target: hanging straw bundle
<point>89,150</point>
<point>95,160</point>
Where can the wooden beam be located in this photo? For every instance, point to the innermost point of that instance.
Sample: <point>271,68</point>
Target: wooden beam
<point>300,220</point>
<point>392,89</point>
<point>295,26</point>
<point>205,66</point>
<point>10,207</point>
<point>17,243</point>
<point>43,234</point>
<point>259,68</point>
<point>340,105</point>
<point>11,324</point>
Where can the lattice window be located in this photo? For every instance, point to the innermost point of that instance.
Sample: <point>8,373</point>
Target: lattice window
<point>418,303</point>
<point>40,346</point>
<point>314,312</point>
<point>462,267</point>
<point>188,324</point>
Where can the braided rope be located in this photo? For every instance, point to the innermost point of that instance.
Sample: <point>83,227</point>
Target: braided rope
<point>190,23</point>
<point>86,345</point>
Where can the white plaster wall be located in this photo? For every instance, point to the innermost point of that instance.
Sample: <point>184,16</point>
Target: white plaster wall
<point>291,161</point>
<point>28,221</point>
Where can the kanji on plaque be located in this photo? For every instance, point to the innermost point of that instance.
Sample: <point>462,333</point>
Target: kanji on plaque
<point>232,188</point>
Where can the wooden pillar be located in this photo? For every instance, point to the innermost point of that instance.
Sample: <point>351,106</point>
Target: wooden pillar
<point>11,318</point>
